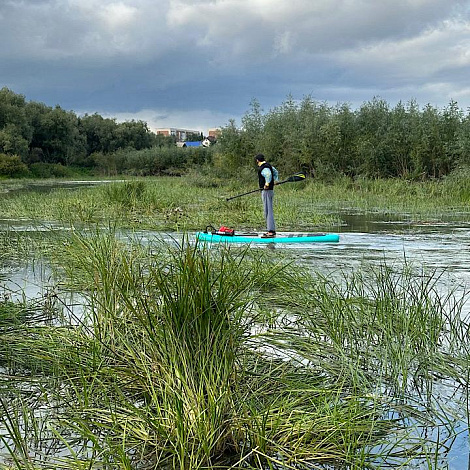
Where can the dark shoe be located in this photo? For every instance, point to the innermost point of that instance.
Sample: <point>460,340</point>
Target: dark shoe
<point>268,235</point>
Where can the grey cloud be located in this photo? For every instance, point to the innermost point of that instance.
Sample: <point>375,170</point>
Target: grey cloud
<point>416,58</point>
<point>82,29</point>
<point>232,32</point>
<point>243,30</point>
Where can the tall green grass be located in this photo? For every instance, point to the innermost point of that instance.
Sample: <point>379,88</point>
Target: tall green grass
<point>417,200</point>
<point>164,371</point>
<point>28,246</point>
<point>190,203</point>
<point>392,335</point>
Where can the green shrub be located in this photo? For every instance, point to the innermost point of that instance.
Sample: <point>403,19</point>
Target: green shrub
<point>51,170</point>
<point>153,161</point>
<point>11,166</point>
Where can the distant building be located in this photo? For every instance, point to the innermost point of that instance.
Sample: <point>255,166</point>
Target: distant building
<point>180,134</point>
<point>214,132</point>
<point>189,144</point>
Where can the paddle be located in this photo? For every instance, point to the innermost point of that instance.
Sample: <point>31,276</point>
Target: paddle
<point>291,179</point>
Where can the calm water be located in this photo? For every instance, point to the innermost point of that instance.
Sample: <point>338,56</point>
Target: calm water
<point>365,240</point>
<point>47,186</point>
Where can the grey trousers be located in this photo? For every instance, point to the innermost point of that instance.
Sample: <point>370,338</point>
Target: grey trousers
<point>267,196</point>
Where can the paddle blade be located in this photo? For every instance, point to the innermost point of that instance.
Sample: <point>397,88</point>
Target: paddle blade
<point>296,177</point>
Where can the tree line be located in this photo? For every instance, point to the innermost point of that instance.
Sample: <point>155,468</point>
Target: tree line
<point>34,136</point>
<point>375,140</point>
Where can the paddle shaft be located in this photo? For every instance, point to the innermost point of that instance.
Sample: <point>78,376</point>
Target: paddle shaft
<point>288,180</point>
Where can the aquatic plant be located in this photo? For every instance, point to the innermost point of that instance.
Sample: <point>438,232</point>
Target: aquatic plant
<point>182,204</point>
<point>165,370</point>
<point>386,334</point>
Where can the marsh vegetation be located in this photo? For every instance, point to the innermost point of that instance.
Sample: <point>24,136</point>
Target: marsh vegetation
<point>186,357</point>
<point>194,201</point>
<point>189,358</point>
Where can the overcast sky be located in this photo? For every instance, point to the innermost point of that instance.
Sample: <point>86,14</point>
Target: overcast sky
<point>198,63</point>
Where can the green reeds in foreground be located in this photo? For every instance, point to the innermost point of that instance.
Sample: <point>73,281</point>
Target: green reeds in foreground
<point>396,322</point>
<point>164,373</point>
<point>174,366</point>
<point>393,332</point>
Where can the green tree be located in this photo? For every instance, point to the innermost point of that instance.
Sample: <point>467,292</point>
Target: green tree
<point>134,134</point>
<point>164,140</point>
<point>373,152</point>
<point>463,140</point>
<point>343,155</point>
<point>12,142</point>
<point>100,133</point>
<point>15,128</point>
<point>430,147</point>
<point>232,154</point>
<point>57,134</point>
<point>452,122</point>
<point>319,136</point>
<point>252,124</point>
<point>295,149</point>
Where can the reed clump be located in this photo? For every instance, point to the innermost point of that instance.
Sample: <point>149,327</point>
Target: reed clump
<point>23,245</point>
<point>128,194</point>
<point>396,322</point>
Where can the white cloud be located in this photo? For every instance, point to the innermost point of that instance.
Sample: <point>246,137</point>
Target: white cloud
<point>118,16</point>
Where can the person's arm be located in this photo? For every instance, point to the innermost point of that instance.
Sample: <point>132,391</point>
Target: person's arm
<point>267,177</point>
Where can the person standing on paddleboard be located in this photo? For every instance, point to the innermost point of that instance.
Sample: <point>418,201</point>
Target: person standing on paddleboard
<point>267,176</point>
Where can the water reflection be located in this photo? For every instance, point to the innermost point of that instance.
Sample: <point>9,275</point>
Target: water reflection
<point>364,240</point>
<point>377,223</point>
<point>48,186</point>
